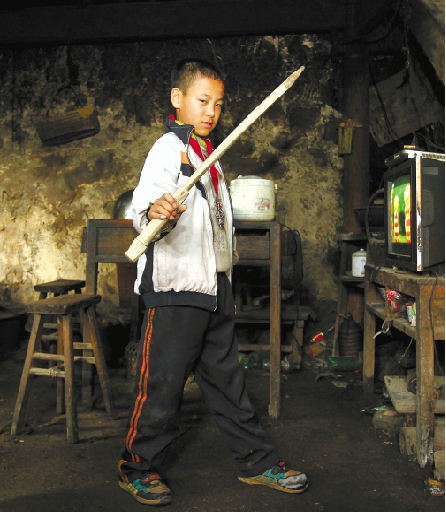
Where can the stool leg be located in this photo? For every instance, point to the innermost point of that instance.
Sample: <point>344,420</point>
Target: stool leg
<point>23,393</point>
<point>44,295</point>
<point>99,358</point>
<point>60,382</point>
<point>76,320</point>
<point>296,344</point>
<point>70,398</point>
<point>87,390</point>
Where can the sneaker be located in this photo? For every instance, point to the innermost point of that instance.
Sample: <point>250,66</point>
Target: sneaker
<point>149,490</point>
<point>280,478</point>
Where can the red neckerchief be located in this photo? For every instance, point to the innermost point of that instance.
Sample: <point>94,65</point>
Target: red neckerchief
<point>197,149</point>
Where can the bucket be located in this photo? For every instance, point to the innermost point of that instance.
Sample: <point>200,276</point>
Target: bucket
<point>253,198</point>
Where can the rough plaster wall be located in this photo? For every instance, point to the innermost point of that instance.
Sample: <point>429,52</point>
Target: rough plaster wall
<point>48,193</point>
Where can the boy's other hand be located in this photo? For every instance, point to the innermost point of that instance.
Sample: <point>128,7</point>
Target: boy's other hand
<point>165,207</point>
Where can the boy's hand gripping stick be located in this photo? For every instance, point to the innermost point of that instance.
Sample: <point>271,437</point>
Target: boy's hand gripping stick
<point>154,227</point>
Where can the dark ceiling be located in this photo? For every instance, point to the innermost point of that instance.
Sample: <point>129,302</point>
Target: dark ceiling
<point>42,22</point>
<point>23,4</point>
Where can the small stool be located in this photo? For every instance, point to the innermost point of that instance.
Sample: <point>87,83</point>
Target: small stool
<point>59,287</point>
<point>63,307</point>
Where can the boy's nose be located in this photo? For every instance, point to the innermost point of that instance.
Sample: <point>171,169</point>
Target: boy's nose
<point>210,111</point>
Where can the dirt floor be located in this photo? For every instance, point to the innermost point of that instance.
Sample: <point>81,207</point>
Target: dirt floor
<point>353,468</point>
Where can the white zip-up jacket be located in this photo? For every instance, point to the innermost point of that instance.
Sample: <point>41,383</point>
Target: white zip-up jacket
<point>180,267</point>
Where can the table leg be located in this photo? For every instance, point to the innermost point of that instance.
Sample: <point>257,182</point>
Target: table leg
<point>275,298</point>
<point>425,377</point>
<point>368,368</point>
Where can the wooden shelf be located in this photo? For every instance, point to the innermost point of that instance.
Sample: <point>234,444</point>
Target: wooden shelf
<point>398,322</point>
<point>349,280</point>
<point>290,313</point>
<point>249,347</point>
<point>428,293</point>
<point>243,262</point>
<point>403,400</point>
<point>352,237</point>
<point>350,288</point>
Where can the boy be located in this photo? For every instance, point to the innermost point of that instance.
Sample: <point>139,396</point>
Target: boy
<point>189,324</point>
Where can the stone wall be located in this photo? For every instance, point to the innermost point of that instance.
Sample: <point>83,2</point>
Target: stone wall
<point>47,193</point>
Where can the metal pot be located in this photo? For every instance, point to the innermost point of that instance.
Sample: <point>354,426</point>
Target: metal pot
<point>123,206</point>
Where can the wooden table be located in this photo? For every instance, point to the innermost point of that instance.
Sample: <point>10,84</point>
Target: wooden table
<point>258,244</point>
<point>106,240</point>
<point>428,293</point>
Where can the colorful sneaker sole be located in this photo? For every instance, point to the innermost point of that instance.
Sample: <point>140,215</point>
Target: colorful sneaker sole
<point>256,481</point>
<point>128,487</point>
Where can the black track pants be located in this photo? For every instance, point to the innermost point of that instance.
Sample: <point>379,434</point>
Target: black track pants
<point>176,340</point>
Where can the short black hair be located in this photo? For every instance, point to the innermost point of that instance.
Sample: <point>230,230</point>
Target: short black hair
<point>187,70</point>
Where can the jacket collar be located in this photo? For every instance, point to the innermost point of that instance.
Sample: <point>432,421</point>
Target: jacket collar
<point>182,131</point>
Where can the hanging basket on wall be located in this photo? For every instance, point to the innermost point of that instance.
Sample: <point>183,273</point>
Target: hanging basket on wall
<point>78,123</point>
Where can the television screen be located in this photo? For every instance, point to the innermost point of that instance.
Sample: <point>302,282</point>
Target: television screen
<point>400,215</point>
<point>414,194</point>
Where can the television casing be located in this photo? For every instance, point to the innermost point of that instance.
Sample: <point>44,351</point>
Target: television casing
<point>426,171</point>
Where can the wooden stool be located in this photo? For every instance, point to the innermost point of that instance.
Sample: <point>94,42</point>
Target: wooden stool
<point>59,287</point>
<point>63,307</point>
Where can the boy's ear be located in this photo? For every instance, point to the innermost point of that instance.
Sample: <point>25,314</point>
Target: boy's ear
<point>175,97</point>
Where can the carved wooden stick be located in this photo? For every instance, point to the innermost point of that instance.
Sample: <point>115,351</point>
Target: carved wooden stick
<point>154,227</point>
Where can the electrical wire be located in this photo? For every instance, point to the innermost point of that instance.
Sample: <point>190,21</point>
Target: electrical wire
<point>366,220</point>
<point>391,27</point>
<point>429,142</point>
<point>363,39</point>
<point>381,102</point>
<point>408,67</point>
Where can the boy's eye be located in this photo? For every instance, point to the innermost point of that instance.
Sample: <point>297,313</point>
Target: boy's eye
<point>202,101</point>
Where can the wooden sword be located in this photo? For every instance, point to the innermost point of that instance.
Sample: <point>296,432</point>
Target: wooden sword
<point>154,227</point>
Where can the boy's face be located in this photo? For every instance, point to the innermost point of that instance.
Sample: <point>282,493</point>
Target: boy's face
<point>201,105</point>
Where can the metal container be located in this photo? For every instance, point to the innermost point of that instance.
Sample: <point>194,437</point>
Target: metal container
<point>123,206</point>
<point>358,263</point>
<point>253,198</point>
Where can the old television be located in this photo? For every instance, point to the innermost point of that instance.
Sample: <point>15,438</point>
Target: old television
<point>414,211</point>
